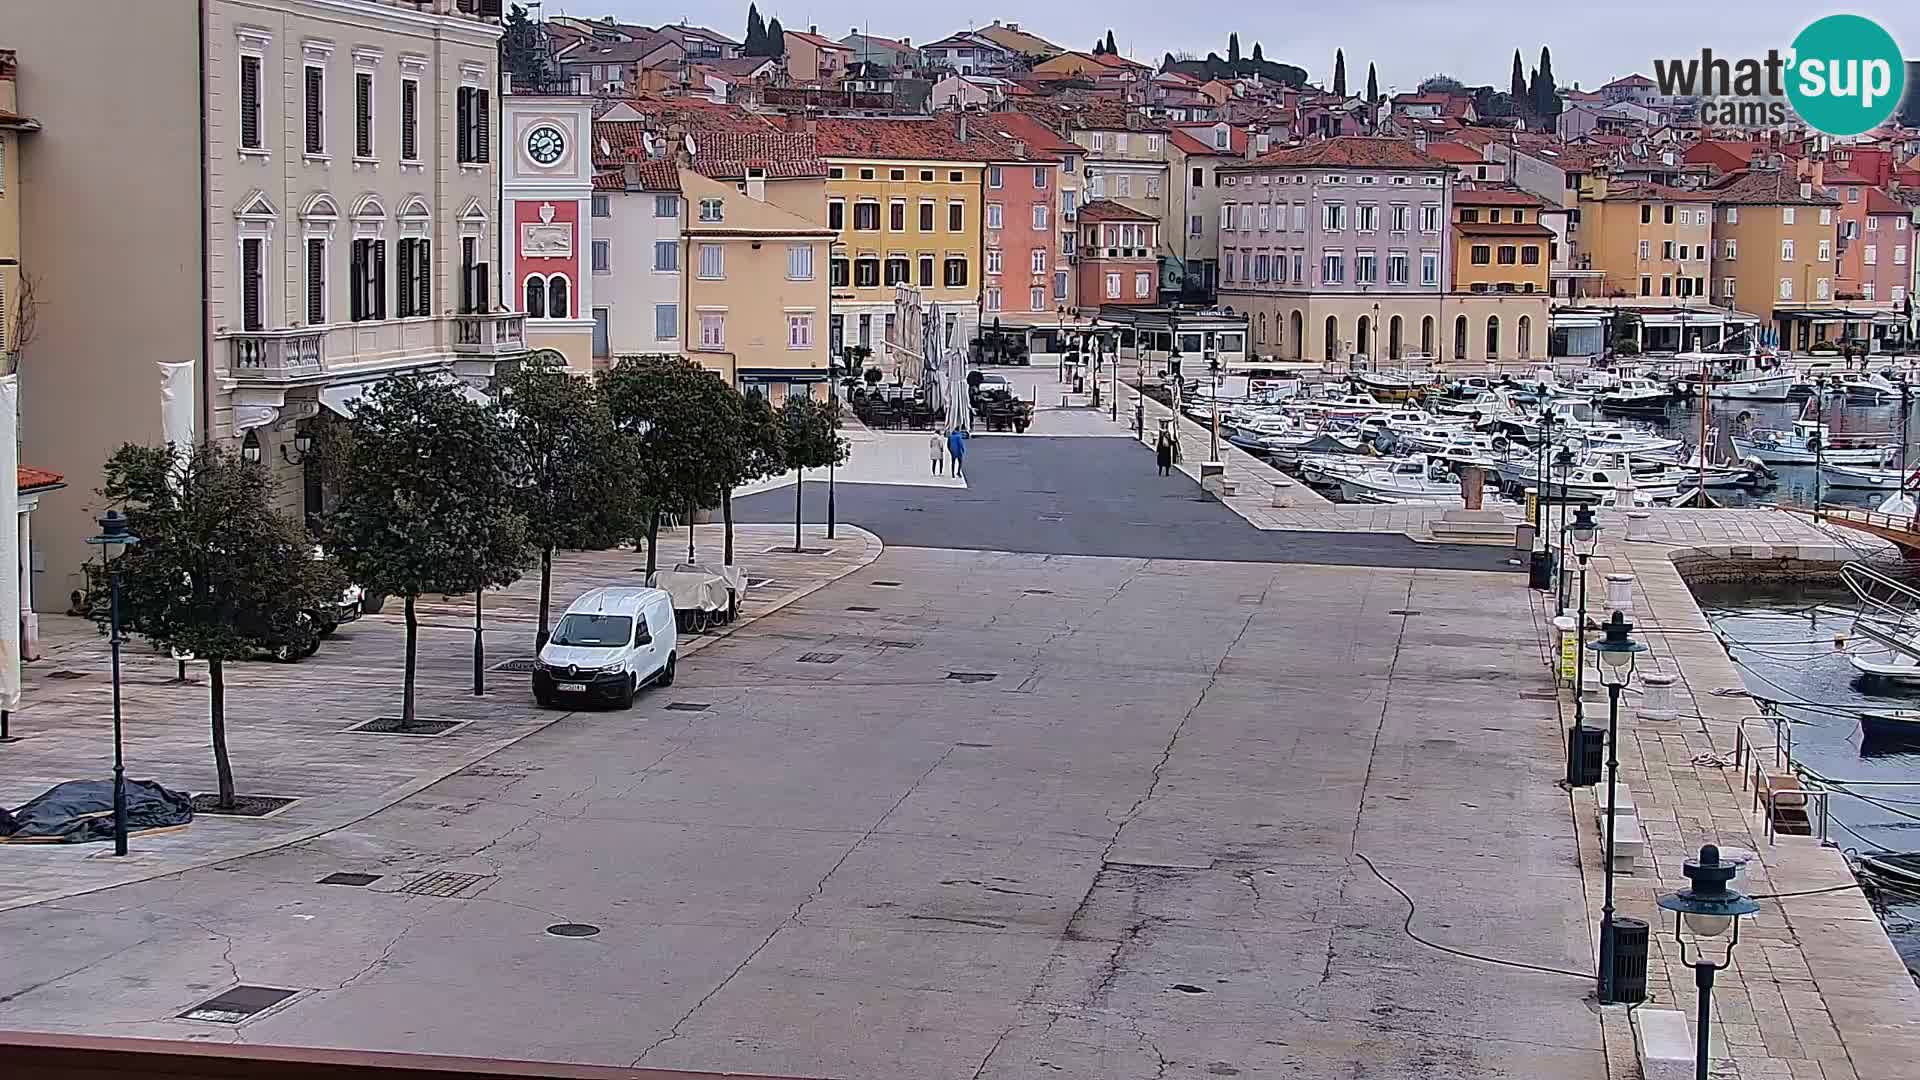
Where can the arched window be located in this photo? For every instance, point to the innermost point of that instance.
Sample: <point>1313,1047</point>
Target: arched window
<point>1393,337</point>
<point>1460,338</point>
<point>557,297</point>
<point>1526,337</point>
<point>1333,339</point>
<point>1261,334</point>
<point>1426,337</point>
<point>1361,342</point>
<point>1299,325</point>
<point>1493,337</point>
<point>536,296</point>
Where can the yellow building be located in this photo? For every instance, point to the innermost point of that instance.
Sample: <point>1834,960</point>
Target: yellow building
<point>12,126</point>
<point>1649,241</point>
<point>756,282</point>
<point>1500,246</point>
<point>905,199</point>
<point>1773,253</point>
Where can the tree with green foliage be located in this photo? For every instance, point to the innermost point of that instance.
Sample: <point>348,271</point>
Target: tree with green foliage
<point>1340,72</point>
<point>220,571</point>
<point>776,39</point>
<point>1373,85</point>
<point>1111,50</point>
<point>1257,58</point>
<point>427,499</point>
<point>1517,87</point>
<point>691,434</point>
<point>763,453</point>
<point>810,439</point>
<point>1440,84</point>
<point>756,42</point>
<point>1545,98</point>
<point>1233,48</point>
<point>522,51</point>
<point>570,467</point>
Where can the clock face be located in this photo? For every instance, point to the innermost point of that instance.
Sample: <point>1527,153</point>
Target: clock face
<point>546,144</point>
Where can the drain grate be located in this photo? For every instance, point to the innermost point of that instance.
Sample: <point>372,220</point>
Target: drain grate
<point>1404,611</point>
<point>819,657</point>
<point>897,644</point>
<point>443,883</point>
<point>688,706</point>
<point>1039,592</point>
<point>63,674</point>
<point>861,607</point>
<point>802,551</point>
<point>208,804</point>
<point>1539,695</point>
<point>972,676</point>
<point>417,727</point>
<point>884,584</point>
<point>358,881</point>
<point>238,1004</point>
<point>573,929</point>
<point>520,664</point>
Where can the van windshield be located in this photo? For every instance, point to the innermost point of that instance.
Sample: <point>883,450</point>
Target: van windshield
<point>593,631</point>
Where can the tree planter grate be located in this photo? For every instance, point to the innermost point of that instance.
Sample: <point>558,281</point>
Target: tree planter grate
<point>1404,611</point>
<point>689,706</point>
<point>238,1004</point>
<point>444,883</point>
<point>819,657</point>
<point>802,551</point>
<point>358,881</point>
<point>861,607</point>
<point>972,676</point>
<point>418,727</point>
<point>884,584</point>
<point>898,644</point>
<point>520,664</point>
<point>1039,592</point>
<point>208,805</point>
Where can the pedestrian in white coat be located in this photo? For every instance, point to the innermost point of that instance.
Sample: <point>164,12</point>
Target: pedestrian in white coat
<point>937,452</point>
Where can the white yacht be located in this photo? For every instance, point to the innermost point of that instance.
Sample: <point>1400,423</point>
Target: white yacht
<point>1861,477</point>
<point>1864,386</point>
<point>1807,443</point>
<point>1634,393</point>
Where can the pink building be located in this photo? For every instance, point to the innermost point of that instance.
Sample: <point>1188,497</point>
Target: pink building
<point>1028,232</point>
<point>1118,266</point>
<point>1886,250</point>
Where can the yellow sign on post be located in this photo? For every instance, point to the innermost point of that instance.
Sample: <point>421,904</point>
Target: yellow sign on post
<point>1569,656</point>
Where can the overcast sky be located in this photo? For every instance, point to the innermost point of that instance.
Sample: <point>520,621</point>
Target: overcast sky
<point>1408,39</point>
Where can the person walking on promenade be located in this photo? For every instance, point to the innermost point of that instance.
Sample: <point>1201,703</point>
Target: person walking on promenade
<point>957,446</point>
<point>1163,453</point>
<point>937,452</point>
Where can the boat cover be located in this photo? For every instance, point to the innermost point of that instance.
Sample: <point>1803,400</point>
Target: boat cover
<point>81,811</point>
<point>695,589</point>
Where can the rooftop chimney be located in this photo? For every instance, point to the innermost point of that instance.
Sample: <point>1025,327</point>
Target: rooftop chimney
<point>630,175</point>
<point>963,125</point>
<point>1013,26</point>
<point>1020,149</point>
<point>814,30</point>
<point>906,41</point>
<point>756,184</point>
<point>1806,190</point>
<point>1253,131</point>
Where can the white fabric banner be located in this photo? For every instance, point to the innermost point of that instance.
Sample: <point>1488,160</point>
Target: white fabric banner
<point>177,402</point>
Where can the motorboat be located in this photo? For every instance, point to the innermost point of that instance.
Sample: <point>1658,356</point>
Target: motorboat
<point>1883,641</point>
<point>1860,477</point>
<point>1328,470</point>
<point>1407,480</point>
<point>1390,385</point>
<point>1635,394</point>
<point>1737,376</point>
<point>1864,386</point>
<point>1810,442</point>
<point>1349,406</point>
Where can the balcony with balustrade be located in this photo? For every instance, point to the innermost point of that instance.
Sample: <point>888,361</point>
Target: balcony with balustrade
<point>278,357</point>
<point>495,335</point>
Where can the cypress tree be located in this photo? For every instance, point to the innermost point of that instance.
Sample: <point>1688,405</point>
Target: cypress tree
<point>756,43</point>
<point>1257,58</point>
<point>776,38</point>
<point>1373,85</point>
<point>1340,72</point>
<point>1233,48</point>
<point>1547,99</point>
<point>1111,50</point>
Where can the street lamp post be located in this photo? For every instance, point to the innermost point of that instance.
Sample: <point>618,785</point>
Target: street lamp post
<point>1563,463</point>
<point>1819,438</point>
<point>1616,652</point>
<point>833,407</point>
<point>113,532</point>
<point>1586,536</point>
<point>1213,368</point>
<point>1708,906</point>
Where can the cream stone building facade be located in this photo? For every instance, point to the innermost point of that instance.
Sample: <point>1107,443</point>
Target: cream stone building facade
<point>298,197</point>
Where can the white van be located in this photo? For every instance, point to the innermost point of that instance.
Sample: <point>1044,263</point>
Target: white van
<point>609,644</point>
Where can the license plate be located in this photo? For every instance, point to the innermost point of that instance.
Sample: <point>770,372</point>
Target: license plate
<point>571,687</point>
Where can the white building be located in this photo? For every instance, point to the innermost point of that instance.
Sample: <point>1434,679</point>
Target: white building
<point>637,219</point>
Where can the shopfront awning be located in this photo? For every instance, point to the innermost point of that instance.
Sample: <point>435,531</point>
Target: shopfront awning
<point>1841,314</point>
<point>344,399</point>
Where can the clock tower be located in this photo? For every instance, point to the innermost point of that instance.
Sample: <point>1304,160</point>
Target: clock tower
<point>547,186</point>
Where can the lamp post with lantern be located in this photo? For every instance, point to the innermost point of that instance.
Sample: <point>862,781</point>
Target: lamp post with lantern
<point>114,533</point>
<point>1585,536</point>
<point>1563,464</point>
<point>1616,652</point>
<point>1709,907</point>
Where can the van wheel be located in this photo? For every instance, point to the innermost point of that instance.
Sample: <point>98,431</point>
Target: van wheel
<point>666,673</point>
<point>544,699</point>
<point>627,695</point>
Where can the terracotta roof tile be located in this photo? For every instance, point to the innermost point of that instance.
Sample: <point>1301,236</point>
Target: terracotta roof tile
<point>1456,153</point>
<point>30,478</point>
<point>1655,193</point>
<point>1466,196</point>
<point>1879,202</point>
<point>1108,210</point>
<point>654,176</point>
<point>931,139</point>
<point>1351,152</point>
<point>727,155</point>
<point>1038,137</point>
<point>1502,228</point>
<point>1767,187</point>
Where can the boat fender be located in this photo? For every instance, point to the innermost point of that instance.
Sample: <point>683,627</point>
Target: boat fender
<point>1839,642</point>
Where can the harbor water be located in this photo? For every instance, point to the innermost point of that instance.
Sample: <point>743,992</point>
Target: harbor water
<point>1781,638</point>
<point>1795,486</point>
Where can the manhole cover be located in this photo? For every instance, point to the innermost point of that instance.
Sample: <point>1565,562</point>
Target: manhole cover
<point>394,725</point>
<point>573,929</point>
<point>688,706</point>
<point>861,607</point>
<point>897,644</point>
<point>972,676</point>
<point>1404,611</point>
<point>443,883</point>
<point>819,657</point>
<point>1039,592</point>
<point>66,674</point>
<point>521,664</point>
<point>802,551</point>
<point>238,1004</point>
<point>884,584</point>
<point>356,880</point>
<point>243,805</point>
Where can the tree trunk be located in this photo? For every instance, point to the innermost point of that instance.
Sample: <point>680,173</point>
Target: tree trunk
<point>413,636</point>
<point>653,543</point>
<point>217,710</point>
<point>799,485</point>
<point>726,514</point>
<point>546,594</point>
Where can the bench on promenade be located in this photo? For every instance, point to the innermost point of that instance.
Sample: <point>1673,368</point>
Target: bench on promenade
<point>1629,837</point>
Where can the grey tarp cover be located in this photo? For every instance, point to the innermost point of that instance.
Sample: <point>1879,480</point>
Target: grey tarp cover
<point>80,811</point>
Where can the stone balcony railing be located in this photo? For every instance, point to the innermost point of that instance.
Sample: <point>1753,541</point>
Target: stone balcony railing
<point>278,356</point>
<point>495,333</point>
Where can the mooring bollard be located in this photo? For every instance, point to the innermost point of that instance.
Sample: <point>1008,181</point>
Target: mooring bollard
<point>1639,525</point>
<point>1620,593</point>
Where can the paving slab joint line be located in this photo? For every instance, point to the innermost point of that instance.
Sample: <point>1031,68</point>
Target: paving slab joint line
<point>405,791</point>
